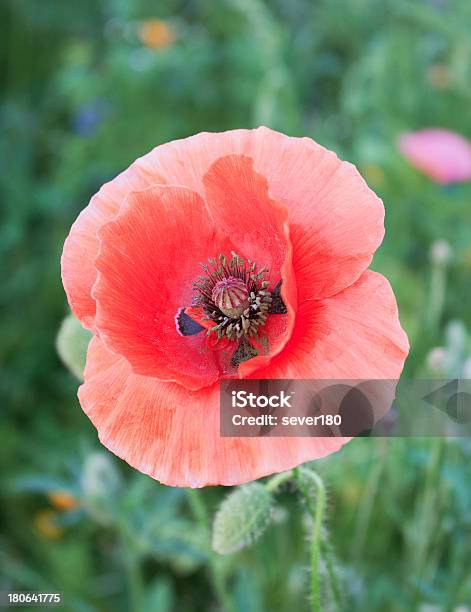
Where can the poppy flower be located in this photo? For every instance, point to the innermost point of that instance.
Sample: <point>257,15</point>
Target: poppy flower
<point>235,254</point>
<point>442,155</point>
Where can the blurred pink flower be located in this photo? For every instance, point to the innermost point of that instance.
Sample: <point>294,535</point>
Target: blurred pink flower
<point>442,155</point>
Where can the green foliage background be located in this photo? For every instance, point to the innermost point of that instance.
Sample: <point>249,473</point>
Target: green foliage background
<point>81,97</point>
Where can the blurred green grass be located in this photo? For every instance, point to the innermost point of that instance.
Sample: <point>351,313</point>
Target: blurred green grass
<point>83,94</point>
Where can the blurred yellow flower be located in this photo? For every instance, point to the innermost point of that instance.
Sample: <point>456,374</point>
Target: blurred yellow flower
<point>373,174</point>
<point>62,500</point>
<point>439,76</point>
<point>46,525</point>
<point>156,34</point>
<point>467,257</point>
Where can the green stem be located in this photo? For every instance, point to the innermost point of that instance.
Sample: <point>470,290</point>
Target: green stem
<point>215,574</point>
<point>274,483</point>
<point>133,571</point>
<point>135,585</point>
<point>365,509</point>
<point>332,574</point>
<point>306,477</point>
<point>427,512</point>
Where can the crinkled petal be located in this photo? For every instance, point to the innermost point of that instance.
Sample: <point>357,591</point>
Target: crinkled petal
<point>147,263</point>
<point>355,334</point>
<point>172,433</point>
<point>82,244</point>
<point>336,220</point>
<point>240,204</point>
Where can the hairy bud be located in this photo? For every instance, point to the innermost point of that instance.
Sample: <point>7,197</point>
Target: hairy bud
<point>242,518</point>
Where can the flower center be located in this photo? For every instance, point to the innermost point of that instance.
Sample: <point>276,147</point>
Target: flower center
<point>231,296</point>
<point>234,296</point>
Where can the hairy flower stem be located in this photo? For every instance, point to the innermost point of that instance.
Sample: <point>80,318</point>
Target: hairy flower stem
<point>274,483</point>
<point>308,480</point>
<point>215,574</point>
<point>328,557</point>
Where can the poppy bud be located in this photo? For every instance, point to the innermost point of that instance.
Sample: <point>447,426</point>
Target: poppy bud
<point>242,518</point>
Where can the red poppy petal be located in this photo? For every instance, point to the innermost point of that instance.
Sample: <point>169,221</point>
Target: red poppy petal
<point>355,334</point>
<point>172,434</point>
<point>148,260</point>
<point>197,314</point>
<point>241,206</point>
<point>82,244</point>
<point>337,221</point>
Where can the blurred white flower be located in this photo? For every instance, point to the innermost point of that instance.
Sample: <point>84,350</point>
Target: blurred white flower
<point>440,252</point>
<point>437,359</point>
